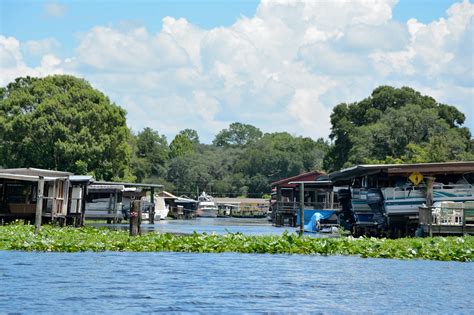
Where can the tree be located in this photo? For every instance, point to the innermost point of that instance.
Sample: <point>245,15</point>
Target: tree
<point>180,146</point>
<point>191,134</point>
<point>151,155</point>
<point>396,125</point>
<point>237,134</point>
<point>61,122</point>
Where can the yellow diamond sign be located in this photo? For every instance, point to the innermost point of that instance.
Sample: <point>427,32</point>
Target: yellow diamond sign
<point>415,178</point>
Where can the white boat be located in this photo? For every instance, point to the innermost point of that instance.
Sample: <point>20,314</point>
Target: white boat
<point>161,209</point>
<point>206,206</point>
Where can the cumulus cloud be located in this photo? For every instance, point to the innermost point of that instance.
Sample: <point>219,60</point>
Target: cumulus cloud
<point>282,69</point>
<point>13,65</point>
<point>41,47</point>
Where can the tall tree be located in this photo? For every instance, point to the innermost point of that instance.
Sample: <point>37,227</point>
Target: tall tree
<point>61,122</point>
<point>191,134</point>
<point>151,156</point>
<point>181,146</point>
<point>396,125</point>
<point>237,134</point>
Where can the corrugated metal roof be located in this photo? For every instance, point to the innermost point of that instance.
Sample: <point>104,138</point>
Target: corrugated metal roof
<point>304,176</point>
<point>403,169</point>
<point>128,184</point>
<point>29,178</point>
<point>34,172</point>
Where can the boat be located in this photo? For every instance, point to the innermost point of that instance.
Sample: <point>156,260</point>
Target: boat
<point>161,209</point>
<point>206,207</point>
<point>386,199</point>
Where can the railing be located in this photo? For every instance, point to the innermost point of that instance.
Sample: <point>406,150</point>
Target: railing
<point>455,216</point>
<point>293,206</point>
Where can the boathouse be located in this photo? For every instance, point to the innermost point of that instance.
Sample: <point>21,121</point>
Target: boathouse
<point>19,197</point>
<point>242,207</point>
<point>386,199</point>
<point>312,191</point>
<point>111,201</point>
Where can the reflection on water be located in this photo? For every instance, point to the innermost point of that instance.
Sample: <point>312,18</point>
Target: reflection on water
<point>212,225</point>
<point>112,282</point>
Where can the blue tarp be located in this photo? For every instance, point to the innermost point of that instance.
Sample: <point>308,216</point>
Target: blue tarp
<point>308,214</point>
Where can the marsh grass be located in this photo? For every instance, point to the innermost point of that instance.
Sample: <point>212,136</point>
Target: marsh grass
<point>21,237</point>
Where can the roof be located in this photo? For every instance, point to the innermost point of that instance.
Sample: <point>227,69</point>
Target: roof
<point>80,178</point>
<point>35,172</point>
<point>129,184</point>
<point>240,200</point>
<point>167,195</point>
<point>29,178</point>
<point>426,169</point>
<point>106,187</point>
<point>309,176</point>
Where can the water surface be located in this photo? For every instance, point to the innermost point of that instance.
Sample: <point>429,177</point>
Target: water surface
<point>112,282</point>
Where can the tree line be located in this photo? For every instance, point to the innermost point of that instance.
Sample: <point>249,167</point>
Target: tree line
<point>61,122</point>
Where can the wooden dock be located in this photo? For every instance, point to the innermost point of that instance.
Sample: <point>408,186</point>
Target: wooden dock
<point>454,219</point>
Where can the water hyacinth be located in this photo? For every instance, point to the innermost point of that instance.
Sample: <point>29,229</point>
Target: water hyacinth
<point>21,237</point>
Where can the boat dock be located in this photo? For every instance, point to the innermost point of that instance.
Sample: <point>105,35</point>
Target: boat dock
<point>450,219</point>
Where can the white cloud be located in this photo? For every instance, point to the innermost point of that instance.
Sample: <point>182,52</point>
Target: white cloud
<point>281,70</point>
<point>41,47</point>
<point>12,64</point>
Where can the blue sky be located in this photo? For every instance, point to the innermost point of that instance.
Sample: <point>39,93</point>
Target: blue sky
<point>279,66</point>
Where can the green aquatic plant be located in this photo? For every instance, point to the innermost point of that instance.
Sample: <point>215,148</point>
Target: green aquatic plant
<point>56,239</point>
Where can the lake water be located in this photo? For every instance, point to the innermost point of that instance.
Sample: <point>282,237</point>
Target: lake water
<point>247,226</point>
<point>111,282</point>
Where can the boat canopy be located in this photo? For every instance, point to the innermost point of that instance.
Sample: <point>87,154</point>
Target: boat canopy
<point>402,170</point>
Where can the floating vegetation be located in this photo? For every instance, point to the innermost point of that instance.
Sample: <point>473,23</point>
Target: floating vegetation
<point>22,237</point>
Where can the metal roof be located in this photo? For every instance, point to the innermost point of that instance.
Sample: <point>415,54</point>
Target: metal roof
<point>283,181</point>
<point>128,184</point>
<point>403,169</point>
<point>106,187</point>
<point>34,172</point>
<point>29,178</point>
<point>80,178</point>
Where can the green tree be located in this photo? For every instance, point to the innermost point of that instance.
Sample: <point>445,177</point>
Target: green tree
<point>151,155</point>
<point>191,134</point>
<point>61,122</point>
<point>396,126</point>
<point>181,146</point>
<point>237,134</point>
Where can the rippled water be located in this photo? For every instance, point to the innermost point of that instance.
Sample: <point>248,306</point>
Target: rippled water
<point>212,225</point>
<point>113,282</point>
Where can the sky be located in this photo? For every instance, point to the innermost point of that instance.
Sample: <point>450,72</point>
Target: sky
<point>280,65</point>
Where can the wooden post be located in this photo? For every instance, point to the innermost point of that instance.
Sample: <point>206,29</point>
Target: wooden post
<point>135,218</point>
<point>429,191</point>
<point>151,214</point>
<point>301,208</point>
<point>464,221</point>
<point>39,204</point>
<point>429,200</point>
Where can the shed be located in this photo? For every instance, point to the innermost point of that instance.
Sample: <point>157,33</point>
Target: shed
<point>19,193</point>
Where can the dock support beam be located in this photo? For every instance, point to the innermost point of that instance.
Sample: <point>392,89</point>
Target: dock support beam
<point>301,208</point>
<point>151,214</point>
<point>135,218</point>
<point>39,204</point>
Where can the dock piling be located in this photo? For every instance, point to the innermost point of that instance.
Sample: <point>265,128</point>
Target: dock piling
<point>135,218</point>
<point>39,204</point>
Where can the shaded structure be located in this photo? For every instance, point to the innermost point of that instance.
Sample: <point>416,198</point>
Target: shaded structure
<point>384,200</point>
<point>310,192</point>
<point>19,197</point>
<point>242,207</point>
